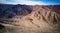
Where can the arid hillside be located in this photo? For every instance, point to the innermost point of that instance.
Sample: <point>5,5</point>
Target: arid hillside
<point>29,18</point>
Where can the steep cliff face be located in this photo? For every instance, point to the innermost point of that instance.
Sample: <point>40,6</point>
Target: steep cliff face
<point>31,19</point>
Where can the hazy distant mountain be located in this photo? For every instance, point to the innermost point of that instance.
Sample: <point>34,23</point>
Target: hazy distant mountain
<point>30,18</point>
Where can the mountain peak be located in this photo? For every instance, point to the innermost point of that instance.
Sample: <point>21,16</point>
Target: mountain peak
<point>30,19</point>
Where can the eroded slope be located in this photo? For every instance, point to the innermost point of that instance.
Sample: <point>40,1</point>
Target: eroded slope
<point>41,19</point>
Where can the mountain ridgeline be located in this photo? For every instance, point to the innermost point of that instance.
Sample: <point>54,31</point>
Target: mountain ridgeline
<point>9,11</point>
<point>29,18</point>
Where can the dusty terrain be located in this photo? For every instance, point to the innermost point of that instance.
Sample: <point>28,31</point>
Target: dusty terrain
<point>29,19</point>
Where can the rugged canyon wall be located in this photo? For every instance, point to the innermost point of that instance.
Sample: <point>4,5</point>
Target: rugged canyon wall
<point>29,19</point>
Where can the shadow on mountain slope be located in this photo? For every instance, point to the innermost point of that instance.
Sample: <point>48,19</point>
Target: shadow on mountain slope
<point>30,19</point>
<point>10,11</point>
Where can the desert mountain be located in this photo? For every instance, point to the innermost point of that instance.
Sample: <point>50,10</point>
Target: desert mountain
<point>30,19</point>
<point>13,10</point>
